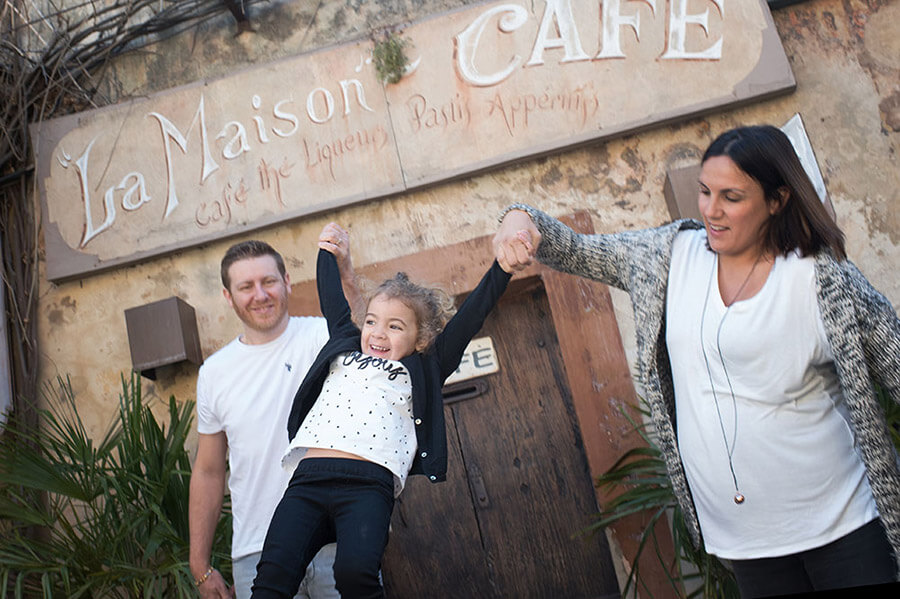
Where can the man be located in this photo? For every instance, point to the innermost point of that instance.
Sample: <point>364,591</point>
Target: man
<point>244,394</point>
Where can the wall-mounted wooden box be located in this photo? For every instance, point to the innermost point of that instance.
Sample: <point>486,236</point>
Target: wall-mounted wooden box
<point>162,333</point>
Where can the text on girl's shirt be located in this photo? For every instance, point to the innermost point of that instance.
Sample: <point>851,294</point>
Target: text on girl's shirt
<point>362,361</point>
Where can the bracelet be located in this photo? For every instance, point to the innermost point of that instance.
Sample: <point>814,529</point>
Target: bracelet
<point>205,576</point>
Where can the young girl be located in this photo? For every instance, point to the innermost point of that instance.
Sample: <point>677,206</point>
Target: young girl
<point>368,413</point>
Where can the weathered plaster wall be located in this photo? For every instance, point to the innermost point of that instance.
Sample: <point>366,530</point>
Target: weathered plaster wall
<point>846,59</point>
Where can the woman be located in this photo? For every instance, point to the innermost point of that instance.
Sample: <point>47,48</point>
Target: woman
<point>762,342</point>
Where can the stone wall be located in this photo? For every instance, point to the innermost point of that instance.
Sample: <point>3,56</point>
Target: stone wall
<point>845,55</point>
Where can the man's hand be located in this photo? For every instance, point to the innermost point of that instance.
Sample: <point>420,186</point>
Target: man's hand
<point>214,587</point>
<point>336,240</point>
<point>516,242</point>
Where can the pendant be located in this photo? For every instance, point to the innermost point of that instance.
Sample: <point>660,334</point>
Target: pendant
<point>738,498</point>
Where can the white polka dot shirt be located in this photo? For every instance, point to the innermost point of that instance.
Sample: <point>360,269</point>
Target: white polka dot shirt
<point>365,408</point>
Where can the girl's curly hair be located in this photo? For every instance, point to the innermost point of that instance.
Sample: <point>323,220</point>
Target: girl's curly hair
<point>432,306</point>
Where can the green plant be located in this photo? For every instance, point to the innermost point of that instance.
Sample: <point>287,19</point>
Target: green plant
<point>641,476</point>
<point>389,56</point>
<point>97,518</point>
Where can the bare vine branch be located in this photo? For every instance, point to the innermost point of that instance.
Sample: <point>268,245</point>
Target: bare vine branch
<point>52,55</point>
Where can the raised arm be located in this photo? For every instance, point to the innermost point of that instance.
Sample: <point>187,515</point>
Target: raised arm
<point>336,240</point>
<point>332,302</point>
<point>467,321</point>
<point>607,258</point>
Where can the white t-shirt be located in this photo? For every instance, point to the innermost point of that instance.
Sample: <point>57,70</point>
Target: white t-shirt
<point>364,408</point>
<point>793,451</point>
<point>246,391</point>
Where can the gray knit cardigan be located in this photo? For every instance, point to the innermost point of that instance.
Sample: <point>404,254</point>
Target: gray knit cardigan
<point>860,324</point>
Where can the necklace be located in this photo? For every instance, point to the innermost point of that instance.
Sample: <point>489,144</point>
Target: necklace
<point>729,447</point>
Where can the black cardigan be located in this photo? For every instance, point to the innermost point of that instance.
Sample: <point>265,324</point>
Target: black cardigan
<point>427,370</point>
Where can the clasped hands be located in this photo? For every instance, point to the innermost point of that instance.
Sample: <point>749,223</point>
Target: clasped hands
<point>516,242</point>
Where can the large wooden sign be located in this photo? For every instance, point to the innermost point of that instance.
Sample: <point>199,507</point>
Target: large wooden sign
<point>487,85</point>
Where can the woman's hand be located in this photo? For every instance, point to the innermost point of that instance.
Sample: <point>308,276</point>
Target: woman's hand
<point>516,242</point>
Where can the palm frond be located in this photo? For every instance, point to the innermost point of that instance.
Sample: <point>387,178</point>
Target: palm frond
<point>640,479</point>
<point>98,518</point>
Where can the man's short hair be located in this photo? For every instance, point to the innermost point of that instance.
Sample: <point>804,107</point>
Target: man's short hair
<point>248,249</point>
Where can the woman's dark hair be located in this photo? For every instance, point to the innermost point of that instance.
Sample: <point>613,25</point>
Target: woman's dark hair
<point>766,154</point>
<point>248,249</point>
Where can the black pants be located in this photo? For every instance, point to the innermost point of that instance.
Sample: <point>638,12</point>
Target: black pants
<point>329,499</point>
<point>860,558</point>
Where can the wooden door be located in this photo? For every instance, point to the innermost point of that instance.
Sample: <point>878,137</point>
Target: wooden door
<point>507,521</point>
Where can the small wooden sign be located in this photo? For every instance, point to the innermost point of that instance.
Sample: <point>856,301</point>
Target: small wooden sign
<point>478,360</point>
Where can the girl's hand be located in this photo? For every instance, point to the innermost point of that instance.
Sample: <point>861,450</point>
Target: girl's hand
<point>515,244</point>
